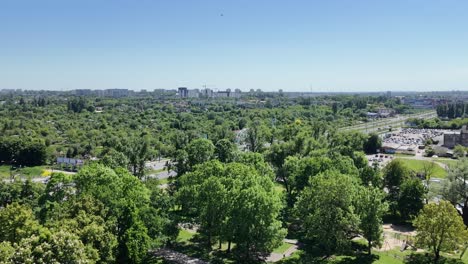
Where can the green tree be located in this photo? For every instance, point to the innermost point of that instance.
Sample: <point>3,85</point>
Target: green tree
<point>60,247</point>
<point>373,143</point>
<point>439,228</point>
<point>459,151</point>
<point>298,171</point>
<point>371,208</point>
<point>456,187</point>
<point>200,151</point>
<point>410,200</point>
<point>256,136</point>
<point>235,203</point>
<point>225,150</point>
<point>371,175</point>
<point>328,211</point>
<point>6,252</point>
<point>395,173</point>
<point>18,222</point>
<point>137,151</point>
<point>125,197</point>
<point>115,159</point>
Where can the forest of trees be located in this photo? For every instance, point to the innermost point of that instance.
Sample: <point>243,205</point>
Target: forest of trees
<point>247,178</point>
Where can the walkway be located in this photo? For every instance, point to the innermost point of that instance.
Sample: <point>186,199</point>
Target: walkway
<point>176,257</point>
<point>275,257</point>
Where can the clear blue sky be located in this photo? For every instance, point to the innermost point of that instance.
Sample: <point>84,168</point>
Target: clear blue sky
<point>326,45</point>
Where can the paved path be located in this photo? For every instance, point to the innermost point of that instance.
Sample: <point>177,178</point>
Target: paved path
<point>158,164</point>
<point>162,175</point>
<point>275,257</point>
<point>177,257</point>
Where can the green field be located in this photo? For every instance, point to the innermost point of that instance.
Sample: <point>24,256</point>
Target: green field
<point>35,171</point>
<point>418,165</point>
<point>449,162</point>
<point>184,236</point>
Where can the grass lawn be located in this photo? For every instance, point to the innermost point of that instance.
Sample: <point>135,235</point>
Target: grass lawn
<point>184,236</point>
<point>449,162</point>
<point>35,171</point>
<point>32,171</point>
<point>280,187</point>
<point>4,171</point>
<point>166,180</point>
<point>281,249</point>
<point>417,166</point>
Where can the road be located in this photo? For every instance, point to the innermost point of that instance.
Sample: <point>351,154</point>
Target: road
<point>381,125</point>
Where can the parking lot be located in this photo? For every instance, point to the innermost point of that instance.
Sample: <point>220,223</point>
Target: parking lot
<point>380,159</point>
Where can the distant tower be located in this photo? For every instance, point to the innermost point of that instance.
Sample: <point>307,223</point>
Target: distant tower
<point>389,94</point>
<point>183,92</point>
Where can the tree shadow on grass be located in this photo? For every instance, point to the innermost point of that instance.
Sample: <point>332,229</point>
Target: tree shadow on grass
<point>358,259</point>
<point>356,254</point>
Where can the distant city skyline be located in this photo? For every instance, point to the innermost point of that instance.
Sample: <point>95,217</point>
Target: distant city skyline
<point>298,46</point>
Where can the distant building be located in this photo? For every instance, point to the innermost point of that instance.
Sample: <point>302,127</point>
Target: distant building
<point>206,93</point>
<point>222,94</point>
<point>451,139</point>
<point>193,93</point>
<point>183,92</point>
<point>83,92</point>
<point>420,103</point>
<point>385,112</point>
<point>116,93</point>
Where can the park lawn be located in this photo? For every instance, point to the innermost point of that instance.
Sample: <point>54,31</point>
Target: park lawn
<point>280,187</point>
<point>449,162</point>
<point>185,236</point>
<point>35,171</point>
<point>4,171</point>
<point>281,249</point>
<point>163,181</point>
<point>417,166</point>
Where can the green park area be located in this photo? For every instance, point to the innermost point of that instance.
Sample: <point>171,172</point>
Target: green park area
<point>419,166</point>
<point>28,172</point>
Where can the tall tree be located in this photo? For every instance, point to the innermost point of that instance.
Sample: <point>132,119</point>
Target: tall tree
<point>235,203</point>
<point>410,200</point>
<point>18,222</point>
<point>257,135</point>
<point>373,143</point>
<point>371,207</point>
<point>456,187</point>
<point>200,151</point>
<point>439,227</point>
<point>328,211</point>
<point>395,173</point>
<point>225,150</point>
